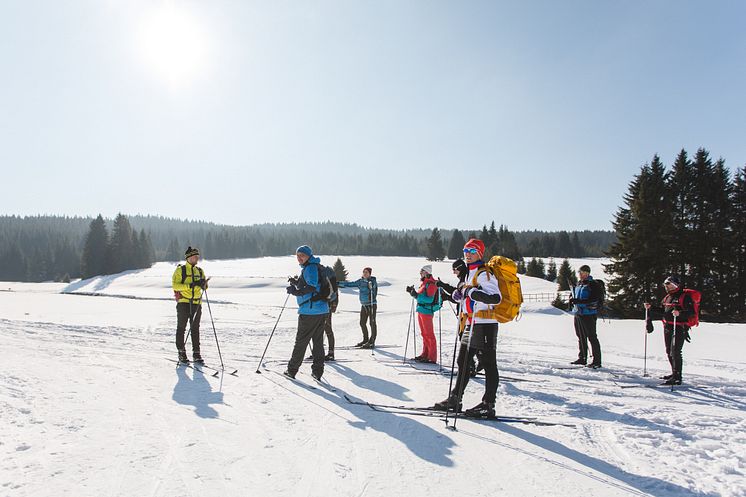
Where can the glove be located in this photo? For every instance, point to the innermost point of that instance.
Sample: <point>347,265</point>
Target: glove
<point>293,280</point>
<point>572,301</point>
<point>439,283</point>
<point>410,289</point>
<point>457,295</point>
<point>649,327</point>
<point>292,290</point>
<point>199,283</point>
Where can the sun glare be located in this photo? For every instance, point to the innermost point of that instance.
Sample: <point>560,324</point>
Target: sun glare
<point>173,44</point>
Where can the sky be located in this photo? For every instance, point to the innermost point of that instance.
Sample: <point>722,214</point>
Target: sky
<point>390,114</point>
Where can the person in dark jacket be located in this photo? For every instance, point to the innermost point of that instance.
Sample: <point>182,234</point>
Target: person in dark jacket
<point>461,271</point>
<point>585,301</point>
<point>368,288</point>
<point>312,314</point>
<point>677,306</point>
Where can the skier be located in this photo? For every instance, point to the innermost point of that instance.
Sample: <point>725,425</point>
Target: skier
<point>368,288</point>
<point>188,282</point>
<point>427,304</point>
<point>313,311</point>
<point>677,306</point>
<point>480,333</point>
<point>585,301</point>
<point>461,272</point>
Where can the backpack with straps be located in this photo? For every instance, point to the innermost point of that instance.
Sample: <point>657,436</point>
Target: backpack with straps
<point>328,285</point>
<point>437,300</point>
<point>506,272</point>
<point>600,288</point>
<point>178,295</point>
<point>696,297</point>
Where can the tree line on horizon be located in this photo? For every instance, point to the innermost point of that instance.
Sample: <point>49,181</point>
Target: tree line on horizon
<point>59,248</point>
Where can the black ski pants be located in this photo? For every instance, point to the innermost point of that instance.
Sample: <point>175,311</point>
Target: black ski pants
<point>182,319</point>
<point>369,312</point>
<point>585,329</point>
<point>310,329</point>
<point>484,339</point>
<point>329,332</point>
<point>674,347</point>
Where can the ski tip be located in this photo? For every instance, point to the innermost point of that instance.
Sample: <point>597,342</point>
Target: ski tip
<point>234,373</point>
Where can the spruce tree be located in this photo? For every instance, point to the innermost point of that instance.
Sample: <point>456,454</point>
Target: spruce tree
<point>456,245</point>
<point>339,270</point>
<point>552,271</point>
<point>736,287</point>
<point>93,261</point>
<point>122,246</point>
<point>435,251</point>
<point>566,276</point>
<point>535,268</point>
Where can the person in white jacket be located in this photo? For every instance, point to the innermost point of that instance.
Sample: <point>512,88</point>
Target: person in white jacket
<point>479,294</point>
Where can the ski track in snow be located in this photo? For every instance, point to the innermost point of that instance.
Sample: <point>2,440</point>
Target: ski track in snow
<point>90,406</point>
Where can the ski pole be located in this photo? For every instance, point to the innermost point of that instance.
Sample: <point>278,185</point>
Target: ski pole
<point>673,352</point>
<point>409,324</point>
<point>440,339</point>
<point>209,310</point>
<point>453,363</point>
<point>273,332</point>
<point>463,374</point>
<point>645,360</point>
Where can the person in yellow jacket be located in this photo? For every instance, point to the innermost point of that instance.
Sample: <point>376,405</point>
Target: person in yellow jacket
<point>188,283</point>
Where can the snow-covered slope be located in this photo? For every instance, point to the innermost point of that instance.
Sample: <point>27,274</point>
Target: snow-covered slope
<point>91,407</point>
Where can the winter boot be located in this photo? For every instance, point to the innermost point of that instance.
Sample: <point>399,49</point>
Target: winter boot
<point>484,410</point>
<point>183,357</point>
<point>330,356</point>
<point>672,381</point>
<point>579,361</point>
<point>449,404</point>
<point>667,376</point>
<point>289,374</point>
<point>197,358</point>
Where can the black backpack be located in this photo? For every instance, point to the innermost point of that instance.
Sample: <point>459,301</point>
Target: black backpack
<point>599,288</point>
<point>329,285</point>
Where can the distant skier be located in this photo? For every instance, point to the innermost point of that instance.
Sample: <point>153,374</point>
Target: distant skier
<point>480,293</point>
<point>188,282</point>
<point>461,271</point>
<point>313,311</point>
<point>427,305</point>
<point>368,293</point>
<point>586,297</point>
<point>679,306</point>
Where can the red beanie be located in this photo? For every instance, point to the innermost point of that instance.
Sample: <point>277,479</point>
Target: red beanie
<point>477,244</point>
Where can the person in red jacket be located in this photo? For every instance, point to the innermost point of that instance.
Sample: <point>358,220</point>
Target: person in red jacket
<point>427,303</point>
<point>679,305</point>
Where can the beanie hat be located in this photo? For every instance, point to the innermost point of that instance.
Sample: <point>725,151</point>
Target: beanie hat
<point>476,244</point>
<point>459,265</point>
<point>304,249</point>
<point>674,280</point>
<point>427,268</point>
<point>585,268</point>
<point>190,252</point>
<point>370,270</point>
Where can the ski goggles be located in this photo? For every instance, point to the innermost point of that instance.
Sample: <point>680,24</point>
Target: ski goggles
<point>471,251</point>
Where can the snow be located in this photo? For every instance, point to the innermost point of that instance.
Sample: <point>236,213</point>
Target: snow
<point>90,406</point>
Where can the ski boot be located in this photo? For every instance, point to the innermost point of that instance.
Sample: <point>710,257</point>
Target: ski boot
<point>579,361</point>
<point>449,404</point>
<point>183,357</point>
<point>365,340</point>
<point>368,345</point>
<point>329,357</point>
<point>483,410</point>
<point>197,358</point>
<point>289,374</point>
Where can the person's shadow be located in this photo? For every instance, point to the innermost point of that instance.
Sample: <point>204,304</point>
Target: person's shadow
<point>197,392</point>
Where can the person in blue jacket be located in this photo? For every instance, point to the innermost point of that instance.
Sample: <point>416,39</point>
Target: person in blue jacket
<point>368,288</point>
<point>313,312</point>
<point>585,300</point>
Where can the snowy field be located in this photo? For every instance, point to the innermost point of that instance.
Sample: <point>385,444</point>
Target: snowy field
<point>91,407</point>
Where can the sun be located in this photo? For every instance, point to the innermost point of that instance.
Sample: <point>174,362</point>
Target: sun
<point>173,44</point>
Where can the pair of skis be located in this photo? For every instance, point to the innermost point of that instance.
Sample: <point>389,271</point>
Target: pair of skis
<point>435,413</point>
<point>202,367</point>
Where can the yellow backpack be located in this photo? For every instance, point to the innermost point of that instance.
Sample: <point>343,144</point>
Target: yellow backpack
<point>506,272</point>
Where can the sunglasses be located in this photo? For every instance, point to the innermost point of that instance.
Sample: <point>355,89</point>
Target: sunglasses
<point>470,251</point>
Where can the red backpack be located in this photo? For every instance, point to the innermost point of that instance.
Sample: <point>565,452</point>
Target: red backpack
<point>696,296</point>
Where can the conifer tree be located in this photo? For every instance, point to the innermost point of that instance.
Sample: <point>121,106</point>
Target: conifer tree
<point>93,261</point>
<point>552,271</point>
<point>456,245</point>
<point>339,270</point>
<point>737,289</point>
<point>535,268</point>
<point>566,276</point>
<point>435,251</point>
<point>122,246</point>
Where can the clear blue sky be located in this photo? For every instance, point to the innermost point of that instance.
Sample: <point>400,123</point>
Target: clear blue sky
<point>385,113</point>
